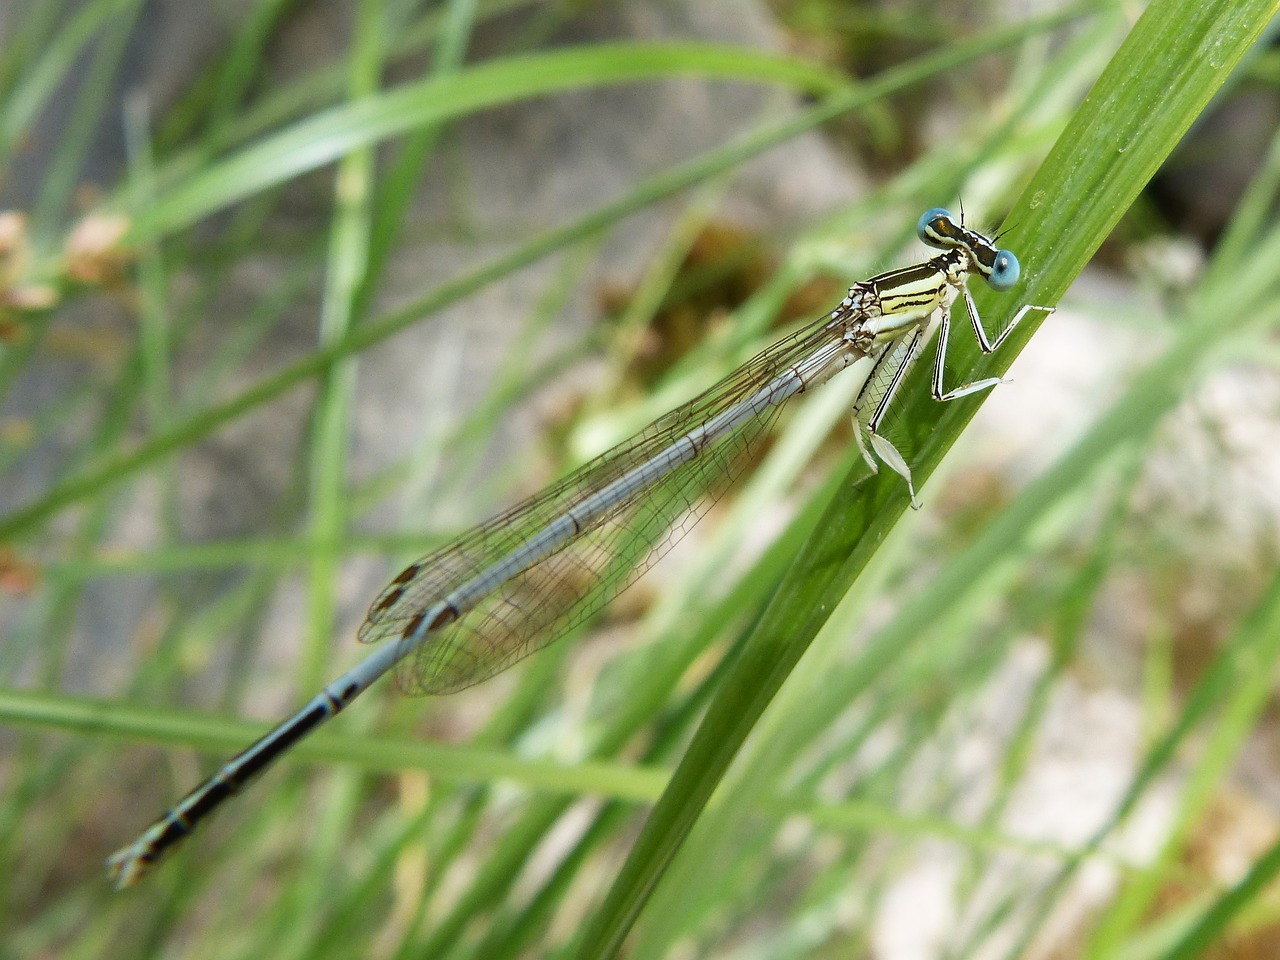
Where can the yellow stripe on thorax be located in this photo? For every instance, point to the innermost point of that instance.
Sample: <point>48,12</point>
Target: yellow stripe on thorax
<point>908,296</point>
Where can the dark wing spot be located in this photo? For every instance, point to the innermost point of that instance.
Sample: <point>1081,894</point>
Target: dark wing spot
<point>444,617</point>
<point>407,574</point>
<point>388,600</point>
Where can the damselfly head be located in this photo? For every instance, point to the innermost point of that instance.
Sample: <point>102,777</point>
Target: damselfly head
<point>1000,267</point>
<point>938,228</point>
<point>1004,270</point>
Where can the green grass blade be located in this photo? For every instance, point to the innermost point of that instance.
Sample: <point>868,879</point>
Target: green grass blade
<point>328,136</point>
<point>1169,67</point>
<point>1208,931</point>
<point>120,465</point>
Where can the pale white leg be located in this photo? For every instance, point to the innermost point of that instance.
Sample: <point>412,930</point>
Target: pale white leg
<point>885,450</point>
<point>894,461</point>
<point>862,446</point>
<point>984,344</point>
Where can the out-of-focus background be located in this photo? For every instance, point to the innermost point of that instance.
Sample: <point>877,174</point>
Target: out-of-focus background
<point>294,291</point>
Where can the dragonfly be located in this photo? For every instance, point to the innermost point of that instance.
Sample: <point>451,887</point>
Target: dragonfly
<point>519,581</point>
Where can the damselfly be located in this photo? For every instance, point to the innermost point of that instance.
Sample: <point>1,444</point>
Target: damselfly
<point>514,584</point>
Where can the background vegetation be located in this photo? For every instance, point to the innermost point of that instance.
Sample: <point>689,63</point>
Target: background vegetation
<point>607,789</point>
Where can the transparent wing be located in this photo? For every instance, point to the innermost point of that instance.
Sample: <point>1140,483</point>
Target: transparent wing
<point>533,608</point>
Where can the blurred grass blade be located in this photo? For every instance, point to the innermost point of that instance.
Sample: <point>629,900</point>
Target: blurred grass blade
<point>330,135</point>
<point>1207,933</point>
<point>118,465</point>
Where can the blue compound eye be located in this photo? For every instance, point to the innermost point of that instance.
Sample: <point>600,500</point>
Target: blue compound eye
<point>1005,271</point>
<point>930,231</point>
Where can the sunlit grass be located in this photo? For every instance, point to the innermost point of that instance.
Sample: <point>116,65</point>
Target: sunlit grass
<point>754,750</point>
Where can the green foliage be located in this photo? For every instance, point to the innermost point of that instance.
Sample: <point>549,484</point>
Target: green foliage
<point>779,725</point>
